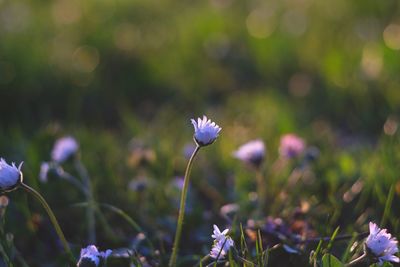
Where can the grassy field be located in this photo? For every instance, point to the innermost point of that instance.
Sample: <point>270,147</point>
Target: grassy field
<point>124,78</point>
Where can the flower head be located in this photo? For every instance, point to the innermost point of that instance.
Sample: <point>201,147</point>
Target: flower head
<point>205,131</point>
<point>222,244</point>
<point>90,256</point>
<point>252,153</point>
<point>291,146</point>
<point>48,169</point>
<point>217,234</point>
<point>10,175</point>
<point>381,244</point>
<point>64,148</point>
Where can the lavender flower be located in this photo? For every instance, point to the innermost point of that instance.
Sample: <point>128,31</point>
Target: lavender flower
<point>205,131</point>
<point>222,244</point>
<point>252,153</point>
<point>44,171</point>
<point>291,146</point>
<point>381,245</point>
<point>64,148</point>
<point>10,175</point>
<point>90,256</point>
<point>217,234</point>
<point>48,169</point>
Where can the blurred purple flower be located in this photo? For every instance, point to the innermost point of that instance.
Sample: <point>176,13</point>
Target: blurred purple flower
<point>44,170</point>
<point>139,184</point>
<point>252,153</point>
<point>228,209</point>
<point>64,148</point>
<point>178,182</point>
<point>188,150</point>
<point>291,146</point>
<point>47,169</point>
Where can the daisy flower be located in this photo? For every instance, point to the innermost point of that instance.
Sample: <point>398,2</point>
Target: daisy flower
<point>205,131</point>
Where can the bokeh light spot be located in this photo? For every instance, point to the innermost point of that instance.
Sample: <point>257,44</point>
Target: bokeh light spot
<point>372,62</point>
<point>391,125</point>
<point>260,23</point>
<point>391,36</point>
<point>300,85</point>
<point>294,22</point>
<point>66,11</point>
<point>86,59</point>
<point>126,37</point>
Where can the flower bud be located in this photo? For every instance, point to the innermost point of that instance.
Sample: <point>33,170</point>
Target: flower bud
<point>205,131</point>
<point>91,257</point>
<point>10,176</point>
<point>64,148</point>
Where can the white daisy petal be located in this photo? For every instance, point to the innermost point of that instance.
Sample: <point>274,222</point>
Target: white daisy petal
<point>91,253</point>
<point>205,131</point>
<point>381,244</point>
<point>222,244</point>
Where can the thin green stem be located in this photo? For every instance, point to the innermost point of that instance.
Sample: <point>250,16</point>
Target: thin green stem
<point>200,263</point>
<point>5,256</point>
<point>357,260</point>
<point>75,182</point>
<point>246,261</point>
<point>181,215</point>
<point>260,191</point>
<point>90,211</point>
<point>52,217</point>
<point>128,219</point>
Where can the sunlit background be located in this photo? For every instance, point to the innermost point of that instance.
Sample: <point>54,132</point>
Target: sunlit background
<point>88,62</point>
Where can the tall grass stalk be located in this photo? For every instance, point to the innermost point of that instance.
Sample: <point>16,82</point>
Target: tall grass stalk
<point>261,191</point>
<point>52,217</point>
<point>90,211</point>
<point>182,206</point>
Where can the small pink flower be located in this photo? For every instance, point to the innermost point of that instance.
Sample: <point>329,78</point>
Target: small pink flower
<point>291,146</point>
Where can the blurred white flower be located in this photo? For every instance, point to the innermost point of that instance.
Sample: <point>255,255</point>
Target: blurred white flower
<point>49,169</point>
<point>90,255</point>
<point>205,131</point>
<point>381,244</point>
<point>228,209</point>
<point>10,175</point>
<point>44,170</point>
<point>222,244</point>
<point>291,146</point>
<point>253,152</point>
<point>64,148</point>
<point>217,234</point>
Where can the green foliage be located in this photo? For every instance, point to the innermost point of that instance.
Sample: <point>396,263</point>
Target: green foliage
<point>329,260</point>
<point>118,75</point>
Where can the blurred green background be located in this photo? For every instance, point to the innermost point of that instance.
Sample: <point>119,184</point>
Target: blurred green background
<point>108,71</point>
<point>89,62</point>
